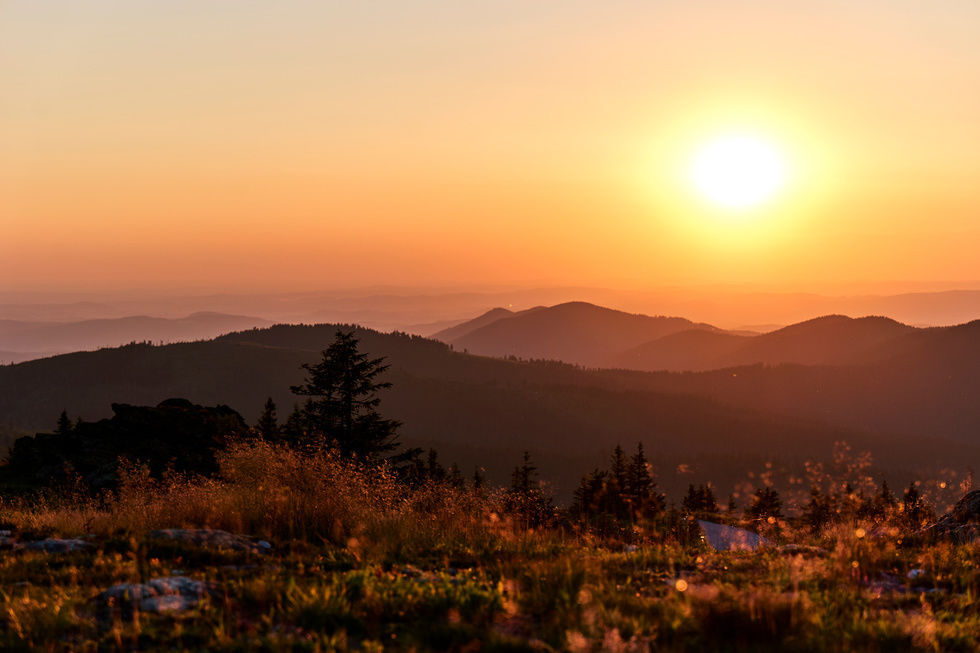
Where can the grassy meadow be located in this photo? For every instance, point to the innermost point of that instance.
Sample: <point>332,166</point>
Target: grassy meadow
<point>359,561</point>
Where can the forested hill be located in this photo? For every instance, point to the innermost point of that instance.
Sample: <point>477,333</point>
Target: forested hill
<point>479,410</point>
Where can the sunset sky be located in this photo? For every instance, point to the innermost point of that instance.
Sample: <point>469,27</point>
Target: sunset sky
<point>238,145</point>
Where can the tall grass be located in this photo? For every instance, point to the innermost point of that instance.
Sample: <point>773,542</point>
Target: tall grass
<point>277,493</point>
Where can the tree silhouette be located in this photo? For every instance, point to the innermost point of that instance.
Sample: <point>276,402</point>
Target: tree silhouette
<point>590,497</point>
<point>455,477</point>
<point>885,499</point>
<point>819,511</point>
<point>268,426</point>
<point>644,499</point>
<point>914,509</point>
<point>766,503</point>
<point>64,424</point>
<point>699,499</point>
<point>295,427</point>
<point>627,492</point>
<point>434,469</point>
<point>619,469</point>
<point>342,389</point>
<point>525,498</point>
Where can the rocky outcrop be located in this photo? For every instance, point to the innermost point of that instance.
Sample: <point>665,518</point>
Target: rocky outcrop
<point>166,594</point>
<point>960,525</point>
<point>53,545</point>
<point>213,538</point>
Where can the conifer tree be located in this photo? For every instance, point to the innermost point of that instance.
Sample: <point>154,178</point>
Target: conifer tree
<point>619,469</point>
<point>523,476</point>
<point>691,502</point>
<point>639,482</point>
<point>914,509</point>
<point>64,424</point>
<point>766,503</point>
<point>525,498</point>
<point>885,498</point>
<point>699,499</point>
<point>343,402</point>
<point>456,477</point>
<point>819,510</point>
<point>708,501</point>
<point>295,428</point>
<point>268,426</point>
<point>434,470</point>
<point>645,500</point>
<point>589,497</point>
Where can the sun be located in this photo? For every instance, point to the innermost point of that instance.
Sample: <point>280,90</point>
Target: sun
<point>738,171</point>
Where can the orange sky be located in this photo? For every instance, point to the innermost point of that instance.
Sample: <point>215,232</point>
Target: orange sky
<point>307,144</point>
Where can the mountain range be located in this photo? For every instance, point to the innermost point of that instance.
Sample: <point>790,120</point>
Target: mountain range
<point>593,336</point>
<point>573,332</point>
<point>24,340</point>
<point>906,394</point>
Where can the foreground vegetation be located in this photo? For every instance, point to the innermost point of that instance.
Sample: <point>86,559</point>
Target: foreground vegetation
<point>363,561</point>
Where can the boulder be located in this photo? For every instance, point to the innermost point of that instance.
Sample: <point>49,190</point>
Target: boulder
<point>53,545</point>
<point>213,538</point>
<point>729,538</point>
<point>166,594</point>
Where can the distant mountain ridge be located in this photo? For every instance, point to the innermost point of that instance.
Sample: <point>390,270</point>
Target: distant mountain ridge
<point>827,340</point>
<point>589,335</point>
<point>49,338</point>
<point>573,332</point>
<point>459,330</point>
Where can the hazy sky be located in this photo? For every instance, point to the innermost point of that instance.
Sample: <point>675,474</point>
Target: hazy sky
<point>315,144</point>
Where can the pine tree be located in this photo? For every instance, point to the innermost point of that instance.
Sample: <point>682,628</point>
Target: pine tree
<point>478,479</point>
<point>525,498</point>
<point>691,502</point>
<point>523,476</point>
<point>708,501</point>
<point>639,481</point>
<point>644,499</point>
<point>343,401</point>
<point>819,511</point>
<point>589,497</point>
<point>456,477</point>
<point>267,426</point>
<point>885,497</point>
<point>64,424</point>
<point>699,499</point>
<point>766,503</point>
<point>295,429</point>
<point>434,470</point>
<point>619,469</point>
<point>914,509</point>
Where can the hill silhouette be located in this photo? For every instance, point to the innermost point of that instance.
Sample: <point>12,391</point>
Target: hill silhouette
<point>693,350</point>
<point>828,340</point>
<point>469,326</point>
<point>485,411</point>
<point>923,382</point>
<point>574,332</point>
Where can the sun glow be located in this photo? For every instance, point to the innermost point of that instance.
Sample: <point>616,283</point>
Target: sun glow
<point>738,171</point>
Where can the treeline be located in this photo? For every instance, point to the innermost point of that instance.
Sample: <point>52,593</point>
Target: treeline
<point>339,411</point>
